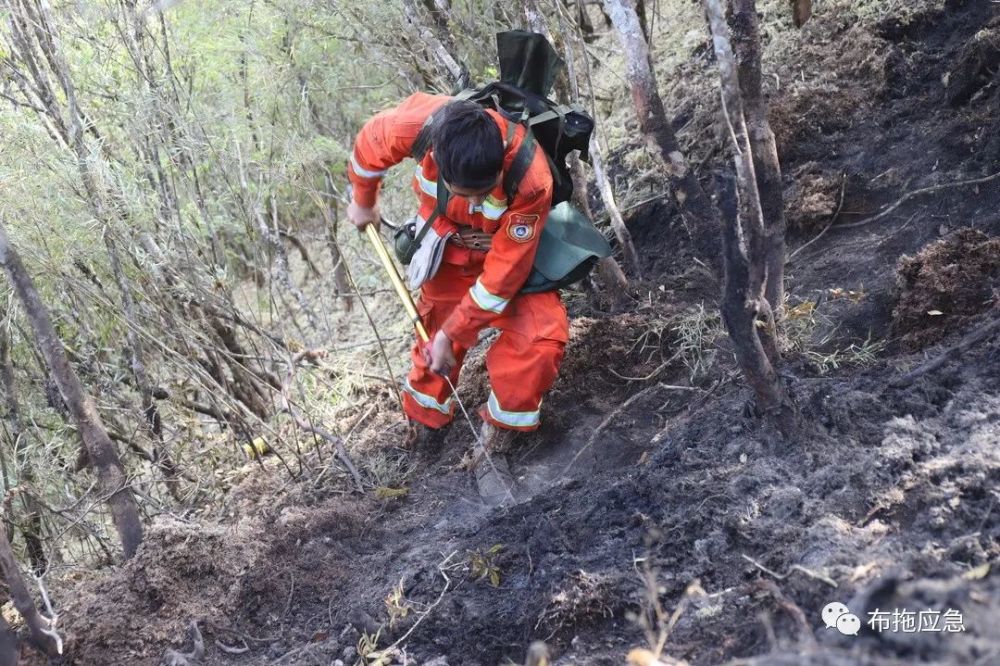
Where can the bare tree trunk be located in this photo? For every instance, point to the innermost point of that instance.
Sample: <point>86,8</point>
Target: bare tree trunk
<point>745,310</point>
<point>640,12</point>
<point>695,205</point>
<point>536,19</point>
<point>100,450</point>
<point>801,11</point>
<point>578,10</point>
<point>746,41</point>
<point>40,633</point>
<point>8,644</point>
<point>611,274</point>
<point>340,280</point>
<point>440,13</point>
<point>98,195</point>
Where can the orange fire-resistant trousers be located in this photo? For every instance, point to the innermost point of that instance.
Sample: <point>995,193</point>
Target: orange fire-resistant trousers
<point>522,363</point>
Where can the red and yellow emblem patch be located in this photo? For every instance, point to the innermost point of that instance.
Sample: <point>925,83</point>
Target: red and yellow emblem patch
<point>521,228</point>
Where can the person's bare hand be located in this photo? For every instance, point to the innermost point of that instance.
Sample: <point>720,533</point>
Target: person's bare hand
<point>361,217</point>
<point>439,354</point>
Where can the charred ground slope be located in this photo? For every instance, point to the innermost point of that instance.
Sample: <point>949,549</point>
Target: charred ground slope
<point>636,489</point>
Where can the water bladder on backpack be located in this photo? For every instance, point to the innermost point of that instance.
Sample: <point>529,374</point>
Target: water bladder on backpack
<point>528,61</point>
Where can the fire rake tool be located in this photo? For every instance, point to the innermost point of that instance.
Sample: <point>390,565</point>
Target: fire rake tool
<point>411,310</point>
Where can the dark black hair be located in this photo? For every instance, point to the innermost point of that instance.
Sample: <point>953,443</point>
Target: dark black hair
<point>467,144</point>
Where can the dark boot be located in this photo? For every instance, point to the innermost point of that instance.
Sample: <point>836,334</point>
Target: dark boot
<point>493,477</point>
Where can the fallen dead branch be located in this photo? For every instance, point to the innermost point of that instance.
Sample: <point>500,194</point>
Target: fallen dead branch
<point>443,567</point>
<point>981,334</point>
<point>792,569</point>
<point>175,658</point>
<point>614,414</point>
<point>246,639</point>
<point>651,375</point>
<point>925,190</point>
<point>229,649</point>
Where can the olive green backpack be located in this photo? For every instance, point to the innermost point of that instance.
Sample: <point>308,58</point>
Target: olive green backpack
<point>570,245</point>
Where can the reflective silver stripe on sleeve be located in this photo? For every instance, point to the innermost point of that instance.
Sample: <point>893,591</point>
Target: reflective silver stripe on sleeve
<point>493,209</point>
<point>487,301</point>
<point>427,187</point>
<point>363,172</point>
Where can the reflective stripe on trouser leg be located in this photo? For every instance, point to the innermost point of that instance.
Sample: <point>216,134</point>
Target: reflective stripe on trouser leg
<point>524,361</point>
<point>511,419</point>
<point>429,401</point>
<point>427,398</point>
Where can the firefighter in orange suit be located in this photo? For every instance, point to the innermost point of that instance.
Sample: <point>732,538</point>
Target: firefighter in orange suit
<point>488,252</point>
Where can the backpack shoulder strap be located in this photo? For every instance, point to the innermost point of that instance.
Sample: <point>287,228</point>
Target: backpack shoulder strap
<point>519,167</point>
<point>443,196</point>
<point>522,162</point>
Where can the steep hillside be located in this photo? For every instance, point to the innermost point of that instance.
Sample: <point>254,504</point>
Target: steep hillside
<point>653,501</point>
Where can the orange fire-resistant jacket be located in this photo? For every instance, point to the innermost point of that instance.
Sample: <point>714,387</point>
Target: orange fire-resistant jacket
<point>387,139</point>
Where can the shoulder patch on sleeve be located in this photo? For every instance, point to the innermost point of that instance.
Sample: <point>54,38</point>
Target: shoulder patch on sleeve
<point>521,228</point>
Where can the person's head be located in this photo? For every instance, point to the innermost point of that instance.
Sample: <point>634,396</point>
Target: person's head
<point>468,150</point>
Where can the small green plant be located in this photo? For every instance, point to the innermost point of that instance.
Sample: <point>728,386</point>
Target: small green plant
<point>484,565</point>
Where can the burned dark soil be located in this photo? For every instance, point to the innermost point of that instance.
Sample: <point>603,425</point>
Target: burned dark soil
<point>651,479</point>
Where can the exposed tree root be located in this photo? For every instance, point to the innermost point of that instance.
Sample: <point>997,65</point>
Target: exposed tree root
<point>175,658</point>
